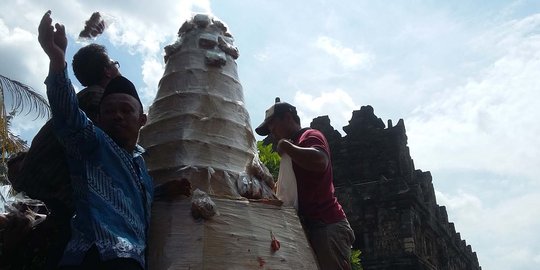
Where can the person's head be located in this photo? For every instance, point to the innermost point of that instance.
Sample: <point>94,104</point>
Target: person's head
<point>89,99</point>
<point>281,120</point>
<point>121,113</point>
<point>92,66</point>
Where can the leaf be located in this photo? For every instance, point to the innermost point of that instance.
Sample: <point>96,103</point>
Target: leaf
<point>355,259</point>
<point>23,95</point>
<point>10,143</point>
<point>269,158</point>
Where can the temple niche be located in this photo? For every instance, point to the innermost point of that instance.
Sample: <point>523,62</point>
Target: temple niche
<point>391,205</point>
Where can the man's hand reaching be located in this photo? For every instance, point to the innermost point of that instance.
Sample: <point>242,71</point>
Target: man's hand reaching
<point>53,40</point>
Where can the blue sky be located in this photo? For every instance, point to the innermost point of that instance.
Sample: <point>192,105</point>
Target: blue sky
<point>462,74</point>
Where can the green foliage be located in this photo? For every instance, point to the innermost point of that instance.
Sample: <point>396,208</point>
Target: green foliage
<point>355,259</point>
<point>269,158</point>
<point>23,97</point>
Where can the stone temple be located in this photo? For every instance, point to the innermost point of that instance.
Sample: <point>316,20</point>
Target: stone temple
<point>391,205</point>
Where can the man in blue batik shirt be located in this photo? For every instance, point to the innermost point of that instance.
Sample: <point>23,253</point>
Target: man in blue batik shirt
<point>112,189</point>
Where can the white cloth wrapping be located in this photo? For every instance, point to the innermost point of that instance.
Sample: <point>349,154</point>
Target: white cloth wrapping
<point>286,189</point>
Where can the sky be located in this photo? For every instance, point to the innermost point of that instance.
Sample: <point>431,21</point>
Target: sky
<point>463,75</point>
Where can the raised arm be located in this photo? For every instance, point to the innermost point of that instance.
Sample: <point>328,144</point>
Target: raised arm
<point>69,121</point>
<point>53,42</point>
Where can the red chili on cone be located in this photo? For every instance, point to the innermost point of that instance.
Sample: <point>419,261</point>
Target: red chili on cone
<point>275,245</point>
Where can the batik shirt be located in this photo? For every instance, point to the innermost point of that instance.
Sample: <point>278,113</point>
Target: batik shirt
<point>112,190</point>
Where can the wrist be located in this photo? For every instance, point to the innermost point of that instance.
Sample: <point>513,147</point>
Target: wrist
<point>57,66</point>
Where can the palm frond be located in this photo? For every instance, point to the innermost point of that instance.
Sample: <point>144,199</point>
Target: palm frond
<point>23,95</point>
<point>10,143</point>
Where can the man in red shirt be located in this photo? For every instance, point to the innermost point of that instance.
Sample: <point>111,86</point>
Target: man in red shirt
<point>324,220</point>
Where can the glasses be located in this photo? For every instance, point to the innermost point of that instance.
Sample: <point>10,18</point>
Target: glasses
<point>115,64</point>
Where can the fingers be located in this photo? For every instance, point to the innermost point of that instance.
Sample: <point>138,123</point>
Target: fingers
<point>60,37</point>
<point>53,42</point>
<point>60,29</point>
<point>45,29</point>
<point>46,17</point>
<point>45,23</point>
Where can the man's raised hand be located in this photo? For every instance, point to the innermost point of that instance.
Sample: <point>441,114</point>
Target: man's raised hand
<point>53,42</point>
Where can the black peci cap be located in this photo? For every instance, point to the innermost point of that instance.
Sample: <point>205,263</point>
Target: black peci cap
<point>121,85</point>
<point>278,109</point>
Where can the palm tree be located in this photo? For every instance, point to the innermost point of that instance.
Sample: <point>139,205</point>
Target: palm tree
<point>11,144</point>
<point>22,96</point>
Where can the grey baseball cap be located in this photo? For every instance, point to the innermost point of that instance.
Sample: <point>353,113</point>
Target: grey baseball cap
<point>278,109</point>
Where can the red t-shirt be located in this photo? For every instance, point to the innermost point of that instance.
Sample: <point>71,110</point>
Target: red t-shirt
<point>316,199</point>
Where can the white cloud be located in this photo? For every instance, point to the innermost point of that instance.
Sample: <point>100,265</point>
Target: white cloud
<point>337,104</point>
<point>348,57</point>
<point>144,28</point>
<point>16,44</point>
<point>25,126</point>
<point>138,36</point>
<point>510,214</point>
<point>490,123</point>
<point>536,258</point>
<point>463,201</point>
<point>261,56</point>
<point>505,229</point>
<point>152,71</point>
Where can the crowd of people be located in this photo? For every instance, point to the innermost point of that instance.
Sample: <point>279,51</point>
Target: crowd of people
<point>99,192</point>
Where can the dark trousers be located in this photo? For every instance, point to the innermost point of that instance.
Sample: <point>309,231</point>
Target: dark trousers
<point>93,261</point>
<point>331,243</point>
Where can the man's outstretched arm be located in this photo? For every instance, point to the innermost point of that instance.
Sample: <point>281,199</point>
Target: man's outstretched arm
<point>53,42</point>
<point>70,124</point>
